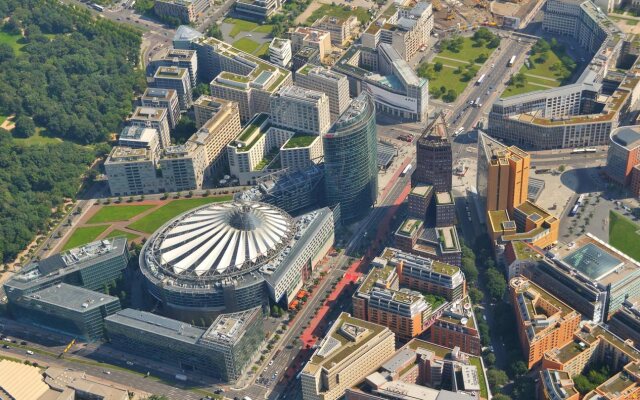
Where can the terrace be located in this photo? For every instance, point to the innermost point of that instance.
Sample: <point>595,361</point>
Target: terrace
<point>410,226</point>
<point>421,190</point>
<point>376,275</point>
<point>524,251</point>
<point>300,140</point>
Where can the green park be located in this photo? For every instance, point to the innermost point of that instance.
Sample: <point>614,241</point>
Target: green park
<point>624,235</point>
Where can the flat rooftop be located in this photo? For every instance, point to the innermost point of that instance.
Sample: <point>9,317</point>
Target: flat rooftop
<point>159,93</point>
<point>156,324</point>
<point>444,198</point>
<point>171,73</point>
<point>460,312</point>
<point>138,134</point>
<point>71,297</point>
<point>229,328</point>
<point>148,114</point>
<point>627,136</point>
<point>120,154</point>
<point>421,190</point>
<point>376,274</point>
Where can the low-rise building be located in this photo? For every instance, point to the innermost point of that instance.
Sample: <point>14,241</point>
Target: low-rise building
<point>185,10</point>
<point>280,52</point>
<point>457,327</point>
<point>303,36</point>
<point>342,30</point>
<point>351,350</point>
<point>333,84</point>
<point>544,322</point>
<point>177,79</point>
<point>163,98</point>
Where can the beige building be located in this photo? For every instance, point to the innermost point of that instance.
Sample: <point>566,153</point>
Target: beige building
<point>156,118</point>
<point>177,79</point>
<point>183,167</point>
<point>301,151</point>
<point>342,30</point>
<point>317,38</point>
<point>163,98</point>
<point>351,350</point>
<point>333,84</point>
<point>139,137</point>
<point>177,58</point>
<point>302,110</point>
<point>131,171</point>
<point>280,52</point>
<point>185,10</point>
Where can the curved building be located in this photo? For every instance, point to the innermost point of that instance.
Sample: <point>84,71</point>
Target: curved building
<point>350,159</point>
<point>231,257</point>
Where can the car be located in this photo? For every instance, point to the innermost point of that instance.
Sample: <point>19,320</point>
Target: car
<point>30,352</point>
<point>493,65</point>
<point>271,363</point>
<point>6,346</point>
<point>265,370</point>
<point>7,340</point>
<point>106,372</point>
<point>276,373</point>
<point>23,343</point>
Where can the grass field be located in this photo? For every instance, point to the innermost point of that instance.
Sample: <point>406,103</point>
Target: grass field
<point>117,232</point>
<point>467,51</point>
<point>246,44</point>
<point>151,222</point>
<point>11,40</point>
<point>337,11</point>
<point>37,139</point>
<point>262,50</point>
<point>2,119</point>
<point>241,25</point>
<point>538,73</point>
<point>117,213</point>
<point>83,235</point>
<point>543,69</point>
<point>451,63</point>
<point>449,79</point>
<point>623,235</point>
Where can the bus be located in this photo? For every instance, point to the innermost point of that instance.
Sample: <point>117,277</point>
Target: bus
<point>574,210</point>
<point>406,170</point>
<point>584,150</point>
<point>480,80</point>
<point>511,61</point>
<point>458,131</point>
<point>97,7</point>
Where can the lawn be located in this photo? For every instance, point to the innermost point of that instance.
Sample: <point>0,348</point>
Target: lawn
<point>118,213</point>
<point>11,40</point>
<point>266,28</point>
<point>247,45</point>
<point>543,75</point>
<point>448,78</point>
<point>84,235</point>
<point>623,235</point>
<point>451,63</point>
<point>117,232</point>
<point>543,69</point>
<point>151,222</point>
<point>528,87</point>
<point>337,11</point>
<point>467,51</point>
<point>37,139</point>
<point>262,50</point>
<point>240,25</point>
<point>2,119</point>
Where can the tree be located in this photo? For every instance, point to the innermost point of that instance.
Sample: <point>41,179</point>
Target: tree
<point>469,269</point>
<point>201,89</point>
<point>497,378</point>
<point>475,294</point>
<point>450,97</point>
<point>25,127</point>
<point>494,43</point>
<point>562,168</point>
<point>490,359</point>
<point>481,58</point>
<point>437,66</point>
<point>184,129</point>
<point>500,396</point>
<point>214,31</point>
<point>582,384</point>
<point>495,283</point>
<point>518,368</point>
<point>6,52</point>
<point>524,388</point>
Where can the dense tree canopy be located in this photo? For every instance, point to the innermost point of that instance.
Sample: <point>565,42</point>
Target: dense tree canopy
<point>74,75</point>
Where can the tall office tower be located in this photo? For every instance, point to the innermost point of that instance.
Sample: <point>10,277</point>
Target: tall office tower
<point>176,58</point>
<point>333,84</point>
<point>350,159</point>
<point>178,79</point>
<point>301,110</point>
<point>503,174</point>
<point>156,118</point>
<point>434,158</point>
<point>163,98</point>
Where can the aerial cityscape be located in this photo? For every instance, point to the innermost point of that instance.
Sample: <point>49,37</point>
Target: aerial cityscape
<point>319,199</point>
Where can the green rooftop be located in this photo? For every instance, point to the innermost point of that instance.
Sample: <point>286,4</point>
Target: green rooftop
<point>523,251</point>
<point>305,69</point>
<point>375,275</point>
<point>300,140</point>
<point>410,226</point>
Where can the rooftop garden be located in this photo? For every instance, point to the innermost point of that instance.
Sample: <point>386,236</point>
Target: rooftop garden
<point>410,226</point>
<point>300,140</point>
<point>340,11</point>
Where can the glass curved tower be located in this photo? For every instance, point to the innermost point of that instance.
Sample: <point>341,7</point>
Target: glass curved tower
<point>350,159</point>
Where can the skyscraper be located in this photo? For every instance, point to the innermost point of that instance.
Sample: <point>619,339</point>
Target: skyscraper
<point>350,159</point>
<point>434,158</point>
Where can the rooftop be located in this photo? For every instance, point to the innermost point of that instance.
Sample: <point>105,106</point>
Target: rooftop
<point>129,154</point>
<point>627,136</point>
<point>460,312</point>
<point>156,324</point>
<point>159,93</point>
<point>375,275</point>
<point>228,329</point>
<point>71,297</point>
<point>148,114</point>
<point>252,132</point>
<point>421,190</point>
<point>410,226</point>
<point>171,73</point>
<point>524,251</point>
<point>300,140</point>
<point>444,198</point>
<point>558,382</point>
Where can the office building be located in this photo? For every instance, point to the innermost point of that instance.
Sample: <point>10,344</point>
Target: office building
<point>519,258</point>
<point>156,118</point>
<point>138,137</point>
<point>531,224</point>
<point>593,345</point>
<point>419,200</point>
<point>503,174</point>
<point>625,323</point>
<point>223,350</point>
<point>194,277</point>
<point>434,164</point>
<point>319,39</point>
<point>437,243</point>
<point>177,79</point>
<point>178,58</point>
<point>333,84</point>
<point>342,30</point>
<point>445,209</point>
<point>544,322</point>
<point>183,167</point>
<point>457,327</point>
<point>91,266</point>
<point>556,385</point>
<point>306,55</point>
<point>396,89</point>
<point>351,350</point>
<point>258,10</point>
<point>624,154</point>
<point>184,37</point>
<point>185,10</point>
<point>300,110</point>
<point>421,370</point>
<point>67,309</point>
<point>407,29</point>
<point>300,152</point>
<point>163,98</point>
<point>351,172</point>
<point>280,52</point>
<point>132,171</point>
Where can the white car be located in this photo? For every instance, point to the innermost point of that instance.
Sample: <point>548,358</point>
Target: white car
<point>30,352</point>
<point>271,363</point>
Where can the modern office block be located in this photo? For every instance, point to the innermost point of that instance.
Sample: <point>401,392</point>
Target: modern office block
<point>445,209</point>
<point>437,243</point>
<point>177,79</point>
<point>527,223</point>
<point>280,52</point>
<point>544,322</point>
<point>625,323</point>
<point>67,309</point>
<point>131,171</point>
<point>258,10</point>
<point>156,118</point>
<point>624,153</point>
<point>351,350</point>
<point>183,167</point>
<point>137,137</point>
<point>163,98</point>
<point>457,327</point>
<point>178,58</point>
<point>306,55</point>
<point>394,85</point>
<point>351,172</point>
<point>91,266</point>
<point>300,152</point>
<point>301,110</point>
<point>342,30</point>
<point>419,200</point>
<point>407,29</point>
<point>222,351</point>
<point>185,10</point>
<point>434,164</point>
<point>319,39</point>
<point>333,84</point>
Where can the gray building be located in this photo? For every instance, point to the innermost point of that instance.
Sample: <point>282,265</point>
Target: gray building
<point>90,266</point>
<point>257,9</point>
<point>301,110</point>
<point>163,98</point>
<point>222,351</point>
<point>333,84</point>
<point>178,79</point>
<point>67,309</point>
<point>350,159</point>
<point>176,58</point>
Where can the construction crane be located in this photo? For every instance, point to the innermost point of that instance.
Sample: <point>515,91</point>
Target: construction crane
<point>66,349</point>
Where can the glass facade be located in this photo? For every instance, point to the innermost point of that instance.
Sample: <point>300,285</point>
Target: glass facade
<point>350,159</point>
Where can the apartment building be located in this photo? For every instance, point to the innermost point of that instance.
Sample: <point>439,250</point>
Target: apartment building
<point>457,327</point>
<point>155,118</point>
<point>303,36</point>
<point>333,84</point>
<point>556,384</point>
<point>342,30</point>
<point>141,138</point>
<point>132,171</point>
<point>163,98</point>
<point>185,10</point>
<point>178,58</point>
<point>624,154</point>
<point>183,167</point>
<point>301,151</point>
<point>177,79</point>
<point>351,350</point>
<point>280,52</point>
<point>407,29</point>
<point>543,321</point>
<point>258,10</point>
<point>301,110</point>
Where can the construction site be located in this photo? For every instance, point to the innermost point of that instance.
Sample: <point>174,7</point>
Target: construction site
<point>452,15</point>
